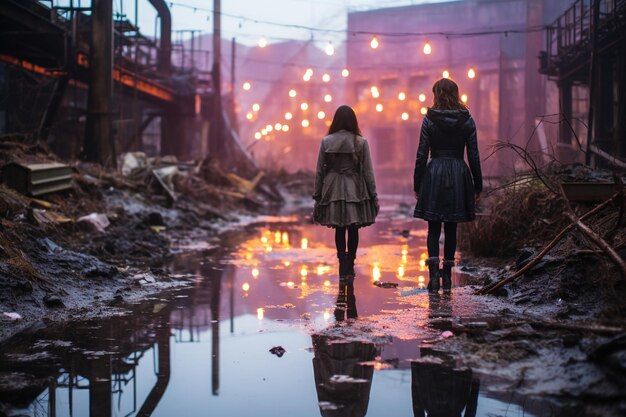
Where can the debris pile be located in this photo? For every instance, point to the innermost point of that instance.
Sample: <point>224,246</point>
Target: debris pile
<point>90,242</point>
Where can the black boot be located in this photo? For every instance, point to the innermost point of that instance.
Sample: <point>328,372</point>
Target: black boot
<point>340,305</point>
<point>434,273</point>
<point>350,257</point>
<point>446,275</point>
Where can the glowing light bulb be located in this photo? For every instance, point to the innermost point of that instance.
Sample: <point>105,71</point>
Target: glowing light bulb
<point>422,97</point>
<point>345,72</point>
<point>328,98</point>
<point>247,86</point>
<point>255,272</point>
<point>292,93</point>
<point>464,98</point>
<point>278,126</point>
<point>424,110</point>
<point>374,43</point>
<point>285,128</point>
<point>304,106</point>
<point>327,283</point>
<point>304,243</point>
<point>321,114</point>
<point>249,115</point>
<point>326,78</point>
<point>285,236</point>
<point>405,116</point>
<point>309,72</point>
<point>288,116</point>
<point>401,271</point>
<point>471,73</point>
<point>260,313</point>
<point>330,49</point>
<point>245,287</point>
<point>375,92</point>
<point>258,135</point>
<point>306,77</point>
<point>303,271</point>
<point>401,96</point>
<point>263,132</point>
<point>269,128</point>
<point>379,107</point>
<point>262,42</point>
<point>326,315</point>
<point>421,278</point>
<point>290,284</point>
<point>427,48</point>
<point>305,123</point>
<point>445,74</point>
<point>256,107</point>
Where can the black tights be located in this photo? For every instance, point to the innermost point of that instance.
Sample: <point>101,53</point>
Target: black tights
<point>353,239</point>
<point>432,242</point>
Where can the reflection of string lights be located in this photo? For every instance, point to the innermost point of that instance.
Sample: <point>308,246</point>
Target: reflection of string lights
<point>420,278</point>
<point>401,271</point>
<point>303,271</point>
<point>255,272</point>
<point>376,272</point>
<point>260,313</point>
<point>304,243</point>
<point>291,284</point>
<point>326,315</point>
<point>327,283</point>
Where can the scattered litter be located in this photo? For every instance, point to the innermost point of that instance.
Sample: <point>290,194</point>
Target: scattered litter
<point>12,316</point>
<point>447,334</point>
<point>44,217</point>
<point>145,278</point>
<point>328,406</point>
<point>98,220</point>
<point>278,351</point>
<point>283,306</point>
<point>385,284</point>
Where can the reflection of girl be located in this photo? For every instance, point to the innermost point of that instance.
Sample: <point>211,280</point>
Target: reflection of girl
<point>343,386</point>
<point>444,188</point>
<point>345,189</point>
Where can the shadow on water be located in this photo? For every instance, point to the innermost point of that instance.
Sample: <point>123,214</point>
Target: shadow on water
<point>204,349</point>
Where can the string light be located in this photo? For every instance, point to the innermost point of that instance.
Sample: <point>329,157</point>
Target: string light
<point>262,42</point>
<point>330,49</point>
<point>285,128</point>
<point>256,107</point>
<point>401,96</point>
<point>422,97</point>
<point>305,123</point>
<point>375,92</point>
<point>288,116</point>
<point>326,78</point>
<point>471,73</point>
<point>464,98</point>
<point>257,135</point>
<point>260,313</point>
<point>245,287</point>
<point>321,114</point>
<point>379,107</point>
<point>424,110</point>
<point>249,115</point>
<point>292,93</point>
<point>304,106</point>
<point>374,42</point>
<point>445,74</point>
<point>263,132</point>
<point>269,128</point>
<point>427,48</point>
<point>277,127</point>
<point>309,72</point>
<point>306,77</point>
<point>405,116</point>
<point>328,98</point>
<point>345,72</point>
<point>247,86</point>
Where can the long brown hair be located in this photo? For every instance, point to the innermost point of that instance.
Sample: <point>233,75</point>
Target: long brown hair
<point>345,119</point>
<point>446,94</point>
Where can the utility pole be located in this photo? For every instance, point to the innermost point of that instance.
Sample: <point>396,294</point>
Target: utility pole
<point>98,144</point>
<point>217,141</point>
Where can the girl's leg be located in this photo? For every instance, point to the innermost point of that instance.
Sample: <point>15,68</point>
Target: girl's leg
<point>340,240</point>
<point>353,239</point>
<point>432,241</point>
<point>449,246</point>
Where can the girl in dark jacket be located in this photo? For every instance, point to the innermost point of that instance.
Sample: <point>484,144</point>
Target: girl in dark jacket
<point>445,189</point>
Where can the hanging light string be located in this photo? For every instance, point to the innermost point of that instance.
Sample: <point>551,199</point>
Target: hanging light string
<point>495,31</point>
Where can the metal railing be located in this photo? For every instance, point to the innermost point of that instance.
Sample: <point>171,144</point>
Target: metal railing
<point>572,30</point>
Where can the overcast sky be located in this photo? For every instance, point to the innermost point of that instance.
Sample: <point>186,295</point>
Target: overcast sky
<point>322,14</point>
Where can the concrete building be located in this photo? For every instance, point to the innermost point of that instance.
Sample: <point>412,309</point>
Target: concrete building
<point>490,48</point>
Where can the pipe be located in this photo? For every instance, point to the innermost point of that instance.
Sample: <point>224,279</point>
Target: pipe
<point>164,60</point>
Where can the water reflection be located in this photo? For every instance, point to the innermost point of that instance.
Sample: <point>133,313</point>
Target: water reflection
<point>204,349</point>
<point>439,389</point>
<point>343,384</point>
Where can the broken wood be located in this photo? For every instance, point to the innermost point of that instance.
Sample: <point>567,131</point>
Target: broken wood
<point>489,289</point>
<point>582,327</point>
<point>601,243</point>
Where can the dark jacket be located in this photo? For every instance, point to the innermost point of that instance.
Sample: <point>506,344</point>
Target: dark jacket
<point>446,187</point>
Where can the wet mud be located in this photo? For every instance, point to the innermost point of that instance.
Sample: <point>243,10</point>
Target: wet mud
<point>211,345</point>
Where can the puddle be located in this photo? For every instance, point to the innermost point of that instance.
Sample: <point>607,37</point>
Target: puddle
<point>205,349</point>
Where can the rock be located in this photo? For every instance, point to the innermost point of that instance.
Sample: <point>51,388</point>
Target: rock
<point>278,351</point>
<point>154,219</point>
<point>53,301</point>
